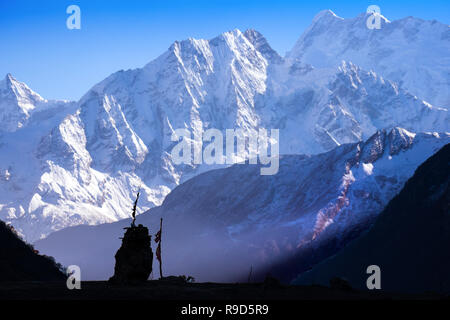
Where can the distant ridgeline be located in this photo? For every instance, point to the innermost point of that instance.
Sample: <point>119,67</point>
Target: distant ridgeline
<point>20,262</point>
<point>409,241</point>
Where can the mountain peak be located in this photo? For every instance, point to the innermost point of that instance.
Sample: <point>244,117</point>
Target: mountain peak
<point>325,15</point>
<point>399,139</point>
<point>365,15</point>
<point>235,33</point>
<point>252,33</point>
<point>331,39</point>
<point>232,35</point>
<point>20,89</point>
<point>9,81</point>
<point>189,42</point>
<point>17,101</point>
<point>260,43</point>
<point>9,77</point>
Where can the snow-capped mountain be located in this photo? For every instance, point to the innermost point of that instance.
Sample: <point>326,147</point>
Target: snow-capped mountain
<point>220,223</point>
<point>408,241</point>
<point>70,163</point>
<point>17,102</point>
<point>413,52</point>
<point>319,109</point>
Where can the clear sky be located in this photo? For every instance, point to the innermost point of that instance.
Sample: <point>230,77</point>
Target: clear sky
<point>37,48</point>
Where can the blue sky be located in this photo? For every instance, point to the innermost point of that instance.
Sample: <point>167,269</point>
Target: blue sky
<point>38,49</point>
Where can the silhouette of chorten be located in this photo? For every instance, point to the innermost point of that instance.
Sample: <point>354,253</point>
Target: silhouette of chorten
<point>134,259</point>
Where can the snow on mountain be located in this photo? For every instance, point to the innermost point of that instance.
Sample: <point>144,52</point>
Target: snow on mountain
<point>340,105</point>
<point>219,223</point>
<point>116,139</point>
<point>413,52</point>
<point>17,102</point>
<point>82,162</point>
<point>408,241</point>
<point>260,43</point>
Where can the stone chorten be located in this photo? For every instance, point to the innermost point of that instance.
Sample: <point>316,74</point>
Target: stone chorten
<point>134,259</point>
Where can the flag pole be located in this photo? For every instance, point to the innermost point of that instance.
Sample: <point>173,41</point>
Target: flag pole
<point>160,260</point>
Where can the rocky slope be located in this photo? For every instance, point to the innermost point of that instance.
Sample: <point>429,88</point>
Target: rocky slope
<point>220,223</point>
<point>409,240</point>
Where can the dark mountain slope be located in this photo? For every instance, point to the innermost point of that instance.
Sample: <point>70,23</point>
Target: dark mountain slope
<point>409,241</point>
<point>19,262</point>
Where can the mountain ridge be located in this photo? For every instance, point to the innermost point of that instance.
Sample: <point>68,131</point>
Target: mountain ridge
<point>407,241</point>
<point>82,162</point>
<point>219,223</point>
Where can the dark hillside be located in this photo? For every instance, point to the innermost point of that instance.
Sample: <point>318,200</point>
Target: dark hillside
<point>19,262</point>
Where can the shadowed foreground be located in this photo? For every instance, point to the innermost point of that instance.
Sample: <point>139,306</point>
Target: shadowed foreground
<point>20,262</point>
<point>167,290</point>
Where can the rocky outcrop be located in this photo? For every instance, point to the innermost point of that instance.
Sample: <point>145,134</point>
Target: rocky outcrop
<point>134,259</point>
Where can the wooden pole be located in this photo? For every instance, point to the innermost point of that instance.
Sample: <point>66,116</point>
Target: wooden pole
<point>160,260</point>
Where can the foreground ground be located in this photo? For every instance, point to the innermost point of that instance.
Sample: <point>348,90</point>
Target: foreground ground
<point>169,290</point>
